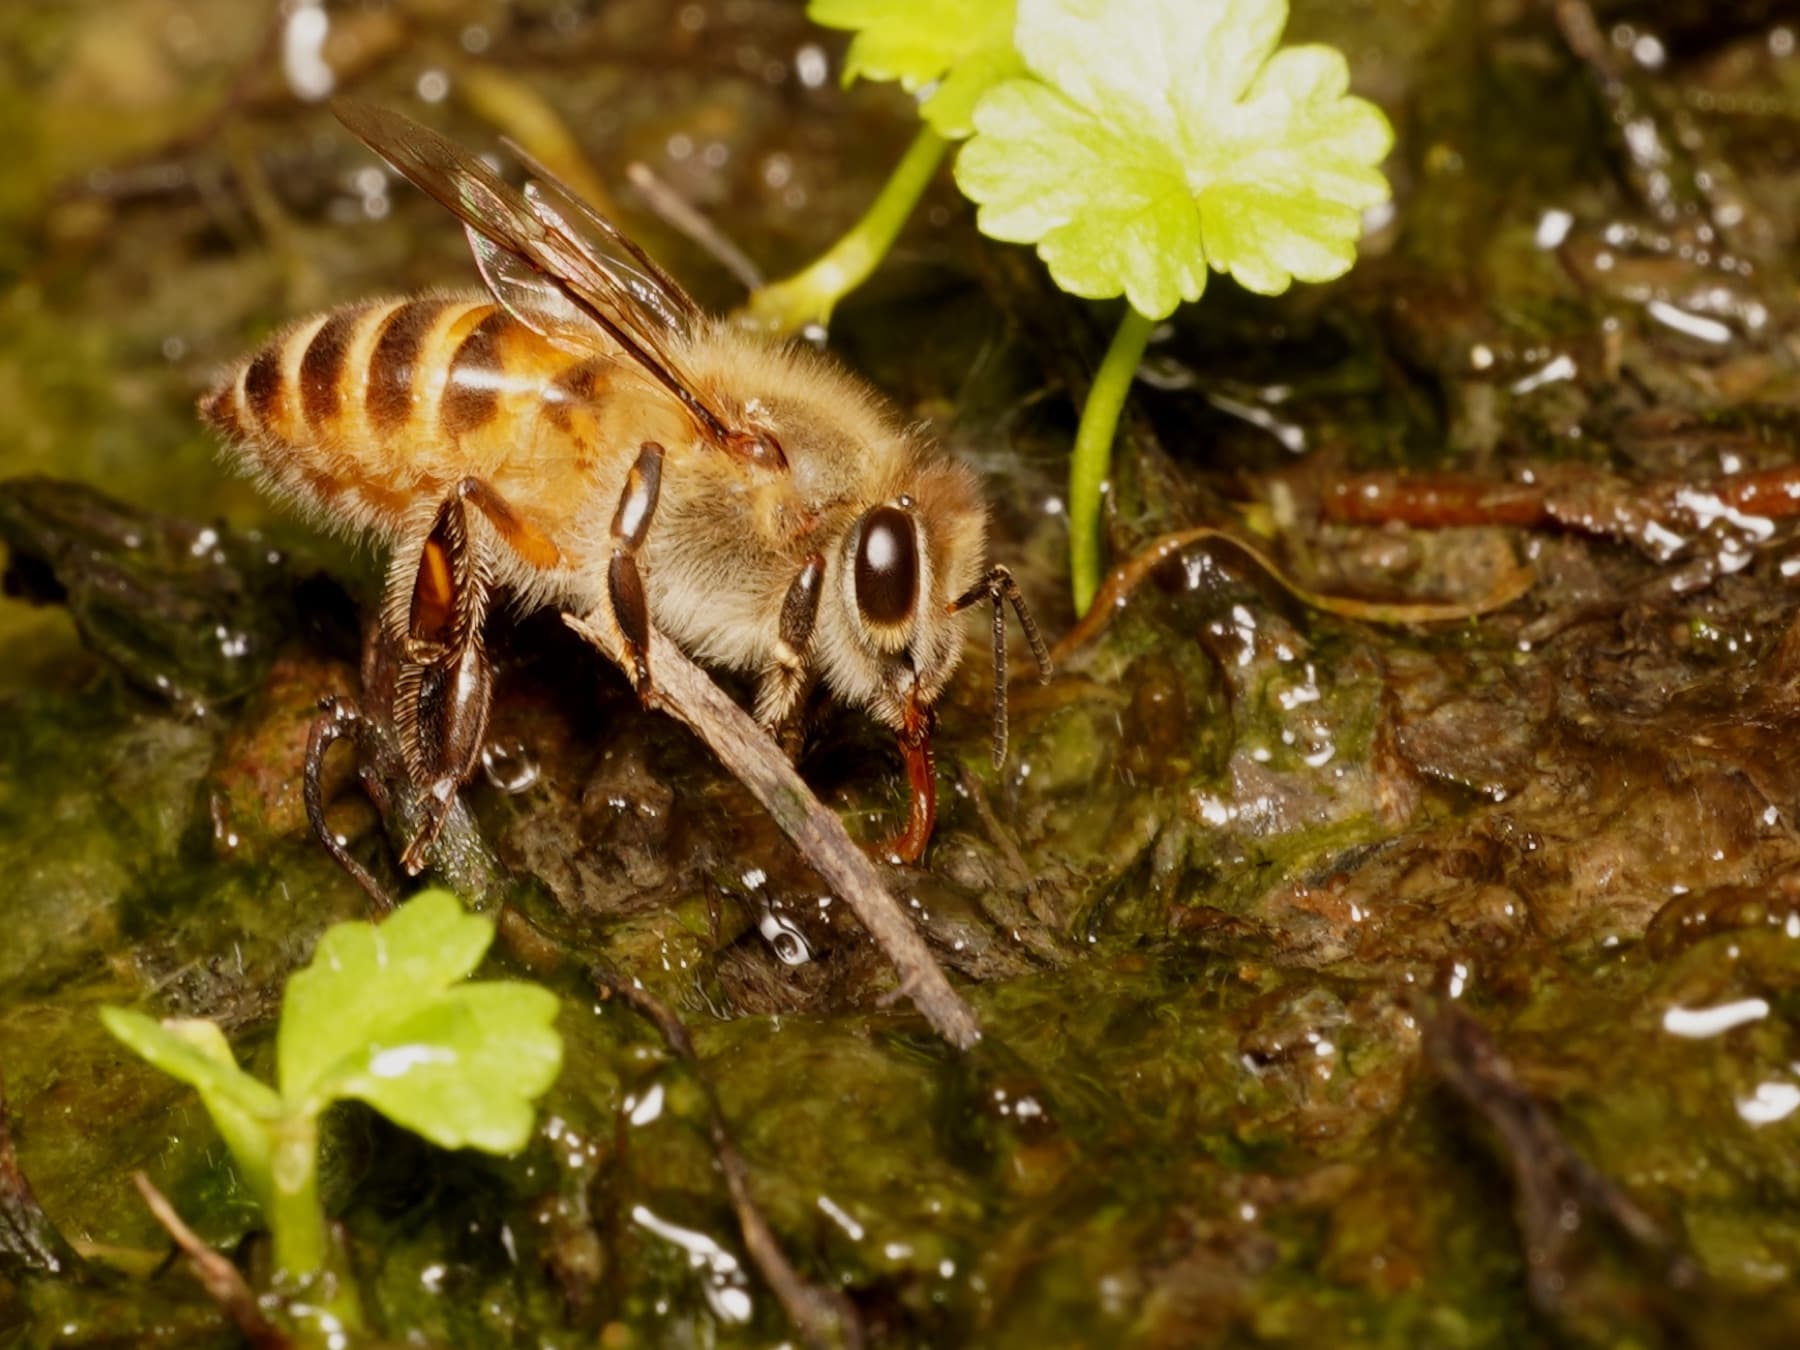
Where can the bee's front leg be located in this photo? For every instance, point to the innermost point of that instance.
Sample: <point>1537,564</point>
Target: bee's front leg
<point>445,686</point>
<point>624,582</point>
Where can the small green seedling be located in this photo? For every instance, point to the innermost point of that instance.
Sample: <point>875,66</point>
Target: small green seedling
<point>383,1015</point>
<point>1154,140</point>
<point>949,52</point>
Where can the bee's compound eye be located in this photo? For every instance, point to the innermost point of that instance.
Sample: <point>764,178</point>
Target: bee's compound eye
<point>887,566</point>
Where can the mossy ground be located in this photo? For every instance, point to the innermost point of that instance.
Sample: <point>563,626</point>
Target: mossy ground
<point>1242,854</point>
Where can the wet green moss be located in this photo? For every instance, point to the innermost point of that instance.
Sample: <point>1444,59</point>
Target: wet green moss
<point>1239,854</point>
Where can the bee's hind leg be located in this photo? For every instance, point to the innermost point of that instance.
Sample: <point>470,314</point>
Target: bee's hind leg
<point>445,685</point>
<point>438,599</point>
<point>624,581</point>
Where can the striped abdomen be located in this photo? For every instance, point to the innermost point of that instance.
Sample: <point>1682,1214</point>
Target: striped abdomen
<point>366,412</point>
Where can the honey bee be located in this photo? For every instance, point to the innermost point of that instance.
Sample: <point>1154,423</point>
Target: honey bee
<point>583,436</point>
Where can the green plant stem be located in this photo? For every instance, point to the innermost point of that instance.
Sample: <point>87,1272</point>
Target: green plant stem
<point>296,1218</point>
<point>303,1248</point>
<point>809,296</point>
<point>1092,459</point>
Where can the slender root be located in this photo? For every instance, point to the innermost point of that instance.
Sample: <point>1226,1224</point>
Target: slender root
<point>339,718</point>
<point>1128,576</point>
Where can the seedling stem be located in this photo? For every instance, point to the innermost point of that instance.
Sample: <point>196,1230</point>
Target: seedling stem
<point>809,296</point>
<point>1092,459</point>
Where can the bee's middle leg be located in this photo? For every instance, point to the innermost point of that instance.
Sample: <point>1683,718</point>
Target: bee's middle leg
<point>788,678</point>
<point>624,581</point>
<point>446,683</point>
<point>339,719</point>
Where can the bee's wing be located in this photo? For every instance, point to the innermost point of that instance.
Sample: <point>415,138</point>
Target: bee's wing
<point>608,248</point>
<point>570,286</point>
<point>534,299</point>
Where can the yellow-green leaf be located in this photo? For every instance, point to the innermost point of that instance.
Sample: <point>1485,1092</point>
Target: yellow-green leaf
<point>463,1071</point>
<point>960,46</point>
<point>384,1014</point>
<point>1154,139</point>
<point>365,979</point>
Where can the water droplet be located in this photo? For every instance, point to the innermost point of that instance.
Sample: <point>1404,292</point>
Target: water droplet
<point>723,1282</point>
<point>303,61</point>
<point>786,940</point>
<point>1701,1023</point>
<point>1771,1102</point>
<point>510,767</point>
<point>812,65</point>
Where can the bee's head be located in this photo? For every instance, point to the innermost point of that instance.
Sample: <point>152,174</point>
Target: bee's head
<point>889,636</point>
<point>897,549</point>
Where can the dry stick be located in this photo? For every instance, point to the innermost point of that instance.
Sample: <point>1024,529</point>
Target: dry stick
<point>216,1275</point>
<point>1438,500</point>
<point>824,1316</point>
<point>687,693</point>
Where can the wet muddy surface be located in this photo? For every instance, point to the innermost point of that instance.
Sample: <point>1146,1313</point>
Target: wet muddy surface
<point>1343,983</point>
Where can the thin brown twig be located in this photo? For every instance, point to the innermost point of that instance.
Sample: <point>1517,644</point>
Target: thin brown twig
<point>217,1276</point>
<point>823,1316</point>
<point>689,695</point>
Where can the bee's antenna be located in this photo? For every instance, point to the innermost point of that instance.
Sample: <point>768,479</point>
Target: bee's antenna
<point>1000,587</point>
<point>680,214</point>
<point>999,742</point>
